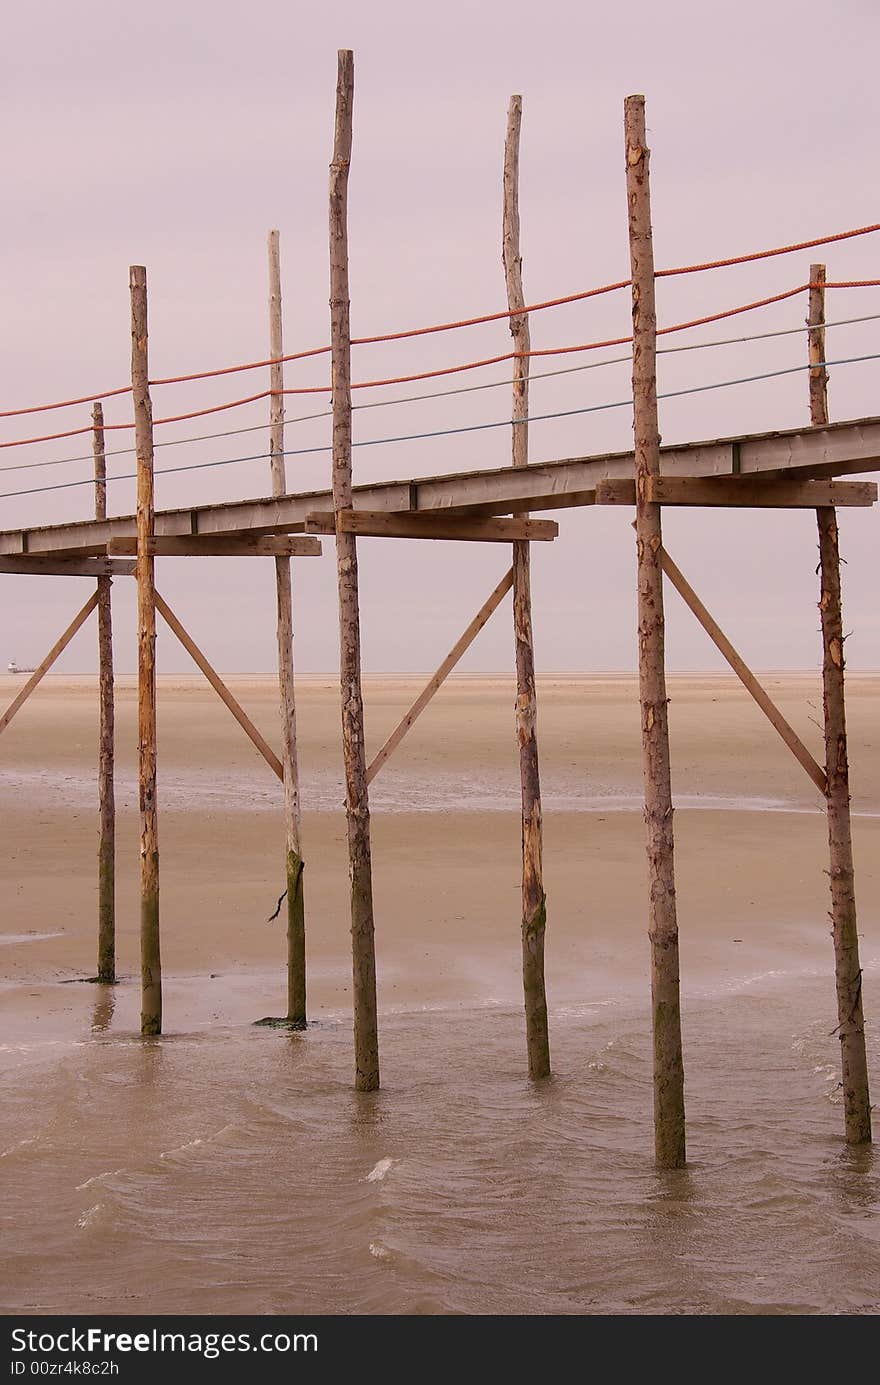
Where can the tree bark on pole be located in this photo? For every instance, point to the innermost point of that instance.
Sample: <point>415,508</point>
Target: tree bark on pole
<point>151,965</point>
<point>669,1122</point>
<point>844,926</point>
<point>106,795</point>
<point>366,1038</point>
<point>534,904</point>
<point>296,927</point>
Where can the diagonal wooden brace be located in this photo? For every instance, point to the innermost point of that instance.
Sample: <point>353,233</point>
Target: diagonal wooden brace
<point>42,669</point>
<point>744,673</point>
<point>219,687</point>
<point>452,658</point>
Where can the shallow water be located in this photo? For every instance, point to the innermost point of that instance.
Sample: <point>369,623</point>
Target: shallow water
<point>233,1168</point>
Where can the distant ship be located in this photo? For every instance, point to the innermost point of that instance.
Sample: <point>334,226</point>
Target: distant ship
<point>13,667</point>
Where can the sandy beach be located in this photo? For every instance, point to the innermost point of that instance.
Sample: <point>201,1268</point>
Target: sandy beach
<point>750,833</point>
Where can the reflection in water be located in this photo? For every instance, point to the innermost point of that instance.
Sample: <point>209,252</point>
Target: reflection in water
<point>102,1009</point>
<point>856,1181</point>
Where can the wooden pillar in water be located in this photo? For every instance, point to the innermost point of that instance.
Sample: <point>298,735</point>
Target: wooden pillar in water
<point>844,927</point>
<point>151,966</point>
<point>534,905</point>
<point>366,1036</point>
<point>669,1125</point>
<point>106,798</point>
<point>296,928</point>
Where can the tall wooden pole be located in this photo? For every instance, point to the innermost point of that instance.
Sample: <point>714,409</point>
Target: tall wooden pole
<point>151,965</point>
<point>818,375</point>
<point>669,1126</point>
<point>844,928</point>
<point>366,1037</point>
<point>534,903</point>
<point>296,925</point>
<point>106,797</point>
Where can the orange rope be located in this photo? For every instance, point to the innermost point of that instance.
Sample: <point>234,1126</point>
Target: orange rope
<point>450,326</point>
<point>64,404</point>
<point>620,284</point>
<point>447,370</point>
<point>556,350</point>
<point>51,437</point>
<point>232,369</point>
<point>200,413</point>
<point>174,418</point>
<point>433,374</point>
<point>768,254</point>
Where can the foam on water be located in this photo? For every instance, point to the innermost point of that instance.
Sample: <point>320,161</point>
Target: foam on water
<point>378,1173</point>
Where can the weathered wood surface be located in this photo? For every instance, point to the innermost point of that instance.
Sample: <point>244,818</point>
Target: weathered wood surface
<point>67,567</point>
<point>436,681</point>
<point>669,1120</point>
<point>243,546</point>
<point>743,672</point>
<point>219,687</point>
<point>840,449</point>
<point>432,526</point>
<point>106,745</point>
<point>844,920</point>
<point>42,669</point>
<point>151,962</point>
<point>818,375</point>
<point>534,904</point>
<point>745,492</point>
<point>366,1036</point>
<point>844,923</point>
<point>293,857</point>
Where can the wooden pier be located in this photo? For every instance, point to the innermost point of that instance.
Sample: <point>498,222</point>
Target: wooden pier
<point>807,467</point>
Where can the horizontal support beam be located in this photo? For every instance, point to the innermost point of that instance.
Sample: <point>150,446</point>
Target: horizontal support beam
<point>68,567</point>
<point>750,492</point>
<point>242,545</point>
<point>461,528</point>
<point>841,449</point>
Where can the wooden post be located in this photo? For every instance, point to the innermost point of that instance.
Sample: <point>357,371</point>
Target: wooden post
<point>844,927</point>
<point>669,1127</point>
<point>357,807</point>
<point>151,965</point>
<point>296,926</point>
<point>816,347</point>
<point>106,797</point>
<point>534,903</point>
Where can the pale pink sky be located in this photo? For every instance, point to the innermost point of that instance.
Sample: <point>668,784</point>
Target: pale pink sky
<point>176,135</point>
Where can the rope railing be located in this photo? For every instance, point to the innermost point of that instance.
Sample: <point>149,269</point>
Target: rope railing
<point>499,359</point>
<point>503,383</point>
<point>449,432</point>
<point>466,322</point>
